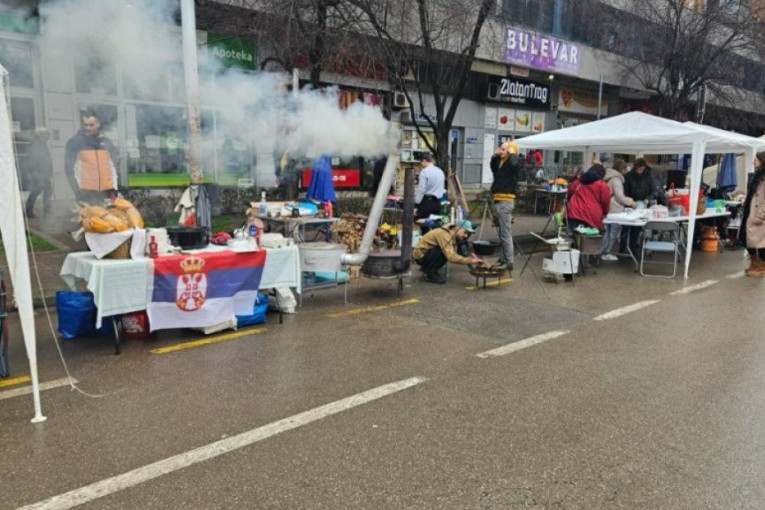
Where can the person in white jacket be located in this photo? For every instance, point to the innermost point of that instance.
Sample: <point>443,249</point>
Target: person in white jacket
<point>615,180</point>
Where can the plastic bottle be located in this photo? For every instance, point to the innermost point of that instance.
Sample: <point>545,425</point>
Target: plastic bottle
<point>263,208</point>
<point>153,248</point>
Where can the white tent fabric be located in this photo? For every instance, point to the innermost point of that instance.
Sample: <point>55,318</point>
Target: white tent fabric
<point>641,133</point>
<point>14,240</point>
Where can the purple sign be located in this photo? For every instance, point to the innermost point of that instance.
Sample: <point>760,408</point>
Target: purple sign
<point>541,51</point>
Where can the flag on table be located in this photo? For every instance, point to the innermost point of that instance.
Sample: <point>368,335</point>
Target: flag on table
<point>202,289</point>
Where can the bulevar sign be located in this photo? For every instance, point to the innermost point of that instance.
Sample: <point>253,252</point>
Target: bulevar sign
<point>519,92</point>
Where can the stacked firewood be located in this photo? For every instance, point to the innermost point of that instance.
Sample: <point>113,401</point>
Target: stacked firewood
<point>350,230</point>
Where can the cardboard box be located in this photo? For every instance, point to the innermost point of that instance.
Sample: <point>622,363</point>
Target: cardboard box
<point>562,262</point>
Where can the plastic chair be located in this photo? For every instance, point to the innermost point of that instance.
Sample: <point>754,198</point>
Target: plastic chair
<point>668,241</point>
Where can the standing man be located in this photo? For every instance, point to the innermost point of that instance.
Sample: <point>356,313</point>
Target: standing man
<point>506,169</point>
<point>430,189</point>
<point>39,169</point>
<point>89,161</point>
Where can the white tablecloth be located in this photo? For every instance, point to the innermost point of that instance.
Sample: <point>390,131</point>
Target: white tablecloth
<point>119,286</point>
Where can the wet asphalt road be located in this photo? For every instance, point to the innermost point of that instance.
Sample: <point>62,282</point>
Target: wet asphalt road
<point>658,408</point>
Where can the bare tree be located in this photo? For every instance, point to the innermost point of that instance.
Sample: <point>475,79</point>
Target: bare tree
<point>683,51</point>
<point>428,48</point>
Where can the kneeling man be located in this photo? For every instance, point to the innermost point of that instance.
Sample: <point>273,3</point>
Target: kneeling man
<point>439,245</point>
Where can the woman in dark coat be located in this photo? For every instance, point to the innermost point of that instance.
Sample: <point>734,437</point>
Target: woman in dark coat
<point>39,170</point>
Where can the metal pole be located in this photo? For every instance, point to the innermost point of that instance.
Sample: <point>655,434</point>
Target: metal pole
<point>189,33</point>
<point>600,94</point>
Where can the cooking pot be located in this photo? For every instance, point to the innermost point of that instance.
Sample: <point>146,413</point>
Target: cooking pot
<point>188,238</point>
<point>485,248</point>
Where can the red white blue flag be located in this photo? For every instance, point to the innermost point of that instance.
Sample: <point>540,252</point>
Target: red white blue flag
<point>202,289</point>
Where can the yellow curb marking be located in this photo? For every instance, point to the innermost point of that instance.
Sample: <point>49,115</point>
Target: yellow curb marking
<point>207,341</point>
<point>14,381</point>
<point>367,309</point>
<point>492,283</point>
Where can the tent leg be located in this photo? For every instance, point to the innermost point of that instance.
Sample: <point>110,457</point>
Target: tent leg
<point>39,418</point>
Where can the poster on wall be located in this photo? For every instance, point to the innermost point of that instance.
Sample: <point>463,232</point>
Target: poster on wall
<point>580,101</point>
<point>505,119</point>
<point>488,152</point>
<point>522,120</point>
<point>538,122</point>
<point>491,118</point>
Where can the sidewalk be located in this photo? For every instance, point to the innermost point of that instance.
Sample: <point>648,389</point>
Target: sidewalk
<point>56,229</point>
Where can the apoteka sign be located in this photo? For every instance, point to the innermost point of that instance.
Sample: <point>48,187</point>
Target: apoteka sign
<point>541,51</point>
<point>519,92</point>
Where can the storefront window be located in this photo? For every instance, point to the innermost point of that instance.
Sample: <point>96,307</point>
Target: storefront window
<point>18,58</point>
<point>96,76</point>
<point>155,88</point>
<point>157,143</point>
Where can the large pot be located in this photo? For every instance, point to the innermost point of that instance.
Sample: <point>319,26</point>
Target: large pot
<point>189,238</point>
<point>485,248</point>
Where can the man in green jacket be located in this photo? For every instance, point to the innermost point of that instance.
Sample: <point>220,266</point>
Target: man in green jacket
<point>439,246</point>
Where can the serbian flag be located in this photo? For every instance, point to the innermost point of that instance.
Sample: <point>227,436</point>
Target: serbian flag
<point>202,289</point>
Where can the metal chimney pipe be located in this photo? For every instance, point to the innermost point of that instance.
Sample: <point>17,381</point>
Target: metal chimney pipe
<point>353,259</point>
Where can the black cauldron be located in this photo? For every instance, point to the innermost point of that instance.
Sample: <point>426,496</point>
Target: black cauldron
<point>485,248</point>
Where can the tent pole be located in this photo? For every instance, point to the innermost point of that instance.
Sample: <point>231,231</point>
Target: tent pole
<point>697,166</point>
<point>39,418</point>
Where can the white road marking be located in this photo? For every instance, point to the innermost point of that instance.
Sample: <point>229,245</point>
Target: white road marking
<point>26,390</point>
<point>182,460</point>
<point>693,288</point>
<point>624,311</point>
<point>522,344</point>
<point>733,276</point>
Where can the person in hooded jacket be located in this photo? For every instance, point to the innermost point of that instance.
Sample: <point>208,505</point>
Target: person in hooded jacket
<point>619,201</point>
<point>589,199</point>
<point>752,231</point>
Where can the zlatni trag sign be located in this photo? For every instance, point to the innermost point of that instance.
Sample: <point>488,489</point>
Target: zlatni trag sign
<point>519,92</point>
<point>541,51</point>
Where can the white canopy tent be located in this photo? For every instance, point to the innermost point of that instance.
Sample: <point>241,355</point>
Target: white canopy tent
<point>640,133</point>
<point>14,240</point>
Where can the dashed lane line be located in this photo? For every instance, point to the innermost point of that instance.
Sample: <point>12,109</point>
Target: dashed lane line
<point>26,390</point>
<point>207,341</point>
<point>368,309</point>
<point>522,344</point>
<point>693,288</point>
<point>613,314</point>
<point>733,276</point>
<point>209,451</point>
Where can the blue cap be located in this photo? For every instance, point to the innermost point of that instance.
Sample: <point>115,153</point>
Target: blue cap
<point>466,224</point>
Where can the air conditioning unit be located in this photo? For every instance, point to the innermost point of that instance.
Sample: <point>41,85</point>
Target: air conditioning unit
<point>400,100</point>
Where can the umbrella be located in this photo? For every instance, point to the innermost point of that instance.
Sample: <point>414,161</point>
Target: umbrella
<point>726,176</point>
<point>321,188</point>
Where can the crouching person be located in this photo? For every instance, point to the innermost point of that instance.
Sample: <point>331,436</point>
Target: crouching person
<point>439,246</point>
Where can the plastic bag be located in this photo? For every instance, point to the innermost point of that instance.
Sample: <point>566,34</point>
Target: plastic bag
<point>76,313</point>
<point>258,315</point>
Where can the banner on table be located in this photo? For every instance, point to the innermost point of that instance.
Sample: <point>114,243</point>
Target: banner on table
<point>202,289</point>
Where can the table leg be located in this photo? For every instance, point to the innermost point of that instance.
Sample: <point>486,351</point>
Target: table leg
<point>116,323</point>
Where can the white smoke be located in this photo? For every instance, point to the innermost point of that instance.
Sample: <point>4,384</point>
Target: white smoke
<point>141,38</point>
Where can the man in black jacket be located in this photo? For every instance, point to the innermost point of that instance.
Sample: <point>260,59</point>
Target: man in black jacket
<point>506,169</point>
<point>643,184</point>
